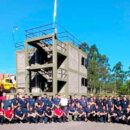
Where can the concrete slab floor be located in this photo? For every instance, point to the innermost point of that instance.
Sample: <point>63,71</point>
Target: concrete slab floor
<point>66,126</point>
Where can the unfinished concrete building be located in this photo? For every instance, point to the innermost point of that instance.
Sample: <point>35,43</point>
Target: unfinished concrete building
<point>51,64</point>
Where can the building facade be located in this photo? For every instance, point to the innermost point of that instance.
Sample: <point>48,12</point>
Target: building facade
<point>50,65</point>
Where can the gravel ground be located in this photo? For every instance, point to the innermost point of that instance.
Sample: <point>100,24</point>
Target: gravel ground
<point>66,126</point>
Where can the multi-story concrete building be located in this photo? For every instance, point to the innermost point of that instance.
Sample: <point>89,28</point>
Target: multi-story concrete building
<point>50,65</point>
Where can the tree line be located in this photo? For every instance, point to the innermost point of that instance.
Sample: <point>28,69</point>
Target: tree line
<point>102,78</point>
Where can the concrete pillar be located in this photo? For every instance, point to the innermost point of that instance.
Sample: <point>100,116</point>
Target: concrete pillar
<point>54,65</point>
<point>27,85</point>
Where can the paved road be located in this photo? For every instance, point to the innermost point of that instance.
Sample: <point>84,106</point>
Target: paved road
<point>66,126</point>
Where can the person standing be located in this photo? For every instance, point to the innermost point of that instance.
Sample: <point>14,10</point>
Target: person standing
<point>56,100</point>
<point>7,103</point>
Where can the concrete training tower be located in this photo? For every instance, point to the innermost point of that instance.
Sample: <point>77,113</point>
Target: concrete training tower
<point>51,63</point>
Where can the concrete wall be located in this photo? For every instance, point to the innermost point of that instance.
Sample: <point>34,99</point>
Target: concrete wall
<point>82,69</point>
<point>73,58</point>
<point>73,82</point>
<point>72,63</point>
<point>76,70</point>
<point>82,89</point>
<point>20,69</point>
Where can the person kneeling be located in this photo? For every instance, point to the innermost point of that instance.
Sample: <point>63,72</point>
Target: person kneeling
<point>1,116</point>
<point>39,113</point>
<point>58,114</point>
<point>20,116</point>
<point>32,115</point>
<point>81,115</point>
<point>65,114</point>
<point>48,115</point>
<point>9,115</point>
<point>103,114</point>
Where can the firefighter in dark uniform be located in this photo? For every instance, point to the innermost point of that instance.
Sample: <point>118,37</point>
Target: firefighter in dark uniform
<point>112,114</point>
<point>72,111</point>
<point>117,103</point>
<point>31,101</point>
<point>81,116</point>
<point>7,102</point>
<point>89,112</point>
<point>39,101</point>
<point>127,116</point>
<point>120,115</point>
<point>48,115</point>
<point>103,114</point>
<point>23,103</point>
<point>109,103</point>
<point>39,113</point>
<point>65,114</point>
<point>31,115</point>
<point>56,100</point>
<point>20,116</point>
<point>124,103</point>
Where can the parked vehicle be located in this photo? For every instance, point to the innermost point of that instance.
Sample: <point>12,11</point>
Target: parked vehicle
<point>8,83</point>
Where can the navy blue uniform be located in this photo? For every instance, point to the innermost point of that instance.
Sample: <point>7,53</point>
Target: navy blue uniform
<point>81,114</point>
<point>72,111</point>
<point>48,115</point>
<point>20,116</point>
<point>31,102</point>
<point>103,115</point>
<point>39,101</point>
<point>7,103</point>
<point>124,104</point>
<point>40,114</point>
<point>23,104</point>
<point>32,115</point>
<point>56,101</point>
<point>83,103</point>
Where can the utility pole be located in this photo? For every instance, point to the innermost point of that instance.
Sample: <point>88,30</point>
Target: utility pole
<point>54,16</point>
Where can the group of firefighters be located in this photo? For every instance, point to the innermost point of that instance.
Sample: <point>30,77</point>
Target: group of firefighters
<point>47,109</point>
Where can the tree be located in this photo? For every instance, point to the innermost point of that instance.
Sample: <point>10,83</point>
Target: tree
<point>97,69</point>
<point>100,76</point>
<point>84,47</point>
<point>118,75</point>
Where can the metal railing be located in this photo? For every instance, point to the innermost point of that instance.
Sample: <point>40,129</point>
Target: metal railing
<point>19,45</point>
<point>62,35</point>
<point>68,37</point>
<point>39,31</point>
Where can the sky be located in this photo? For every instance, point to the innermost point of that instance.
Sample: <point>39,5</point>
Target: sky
<point>105,23</point>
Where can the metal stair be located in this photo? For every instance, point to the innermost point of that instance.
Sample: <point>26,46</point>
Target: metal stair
<point>46,75</point>
<point>31,52</point>
<point>46,48</point>
<point>33,75</point>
